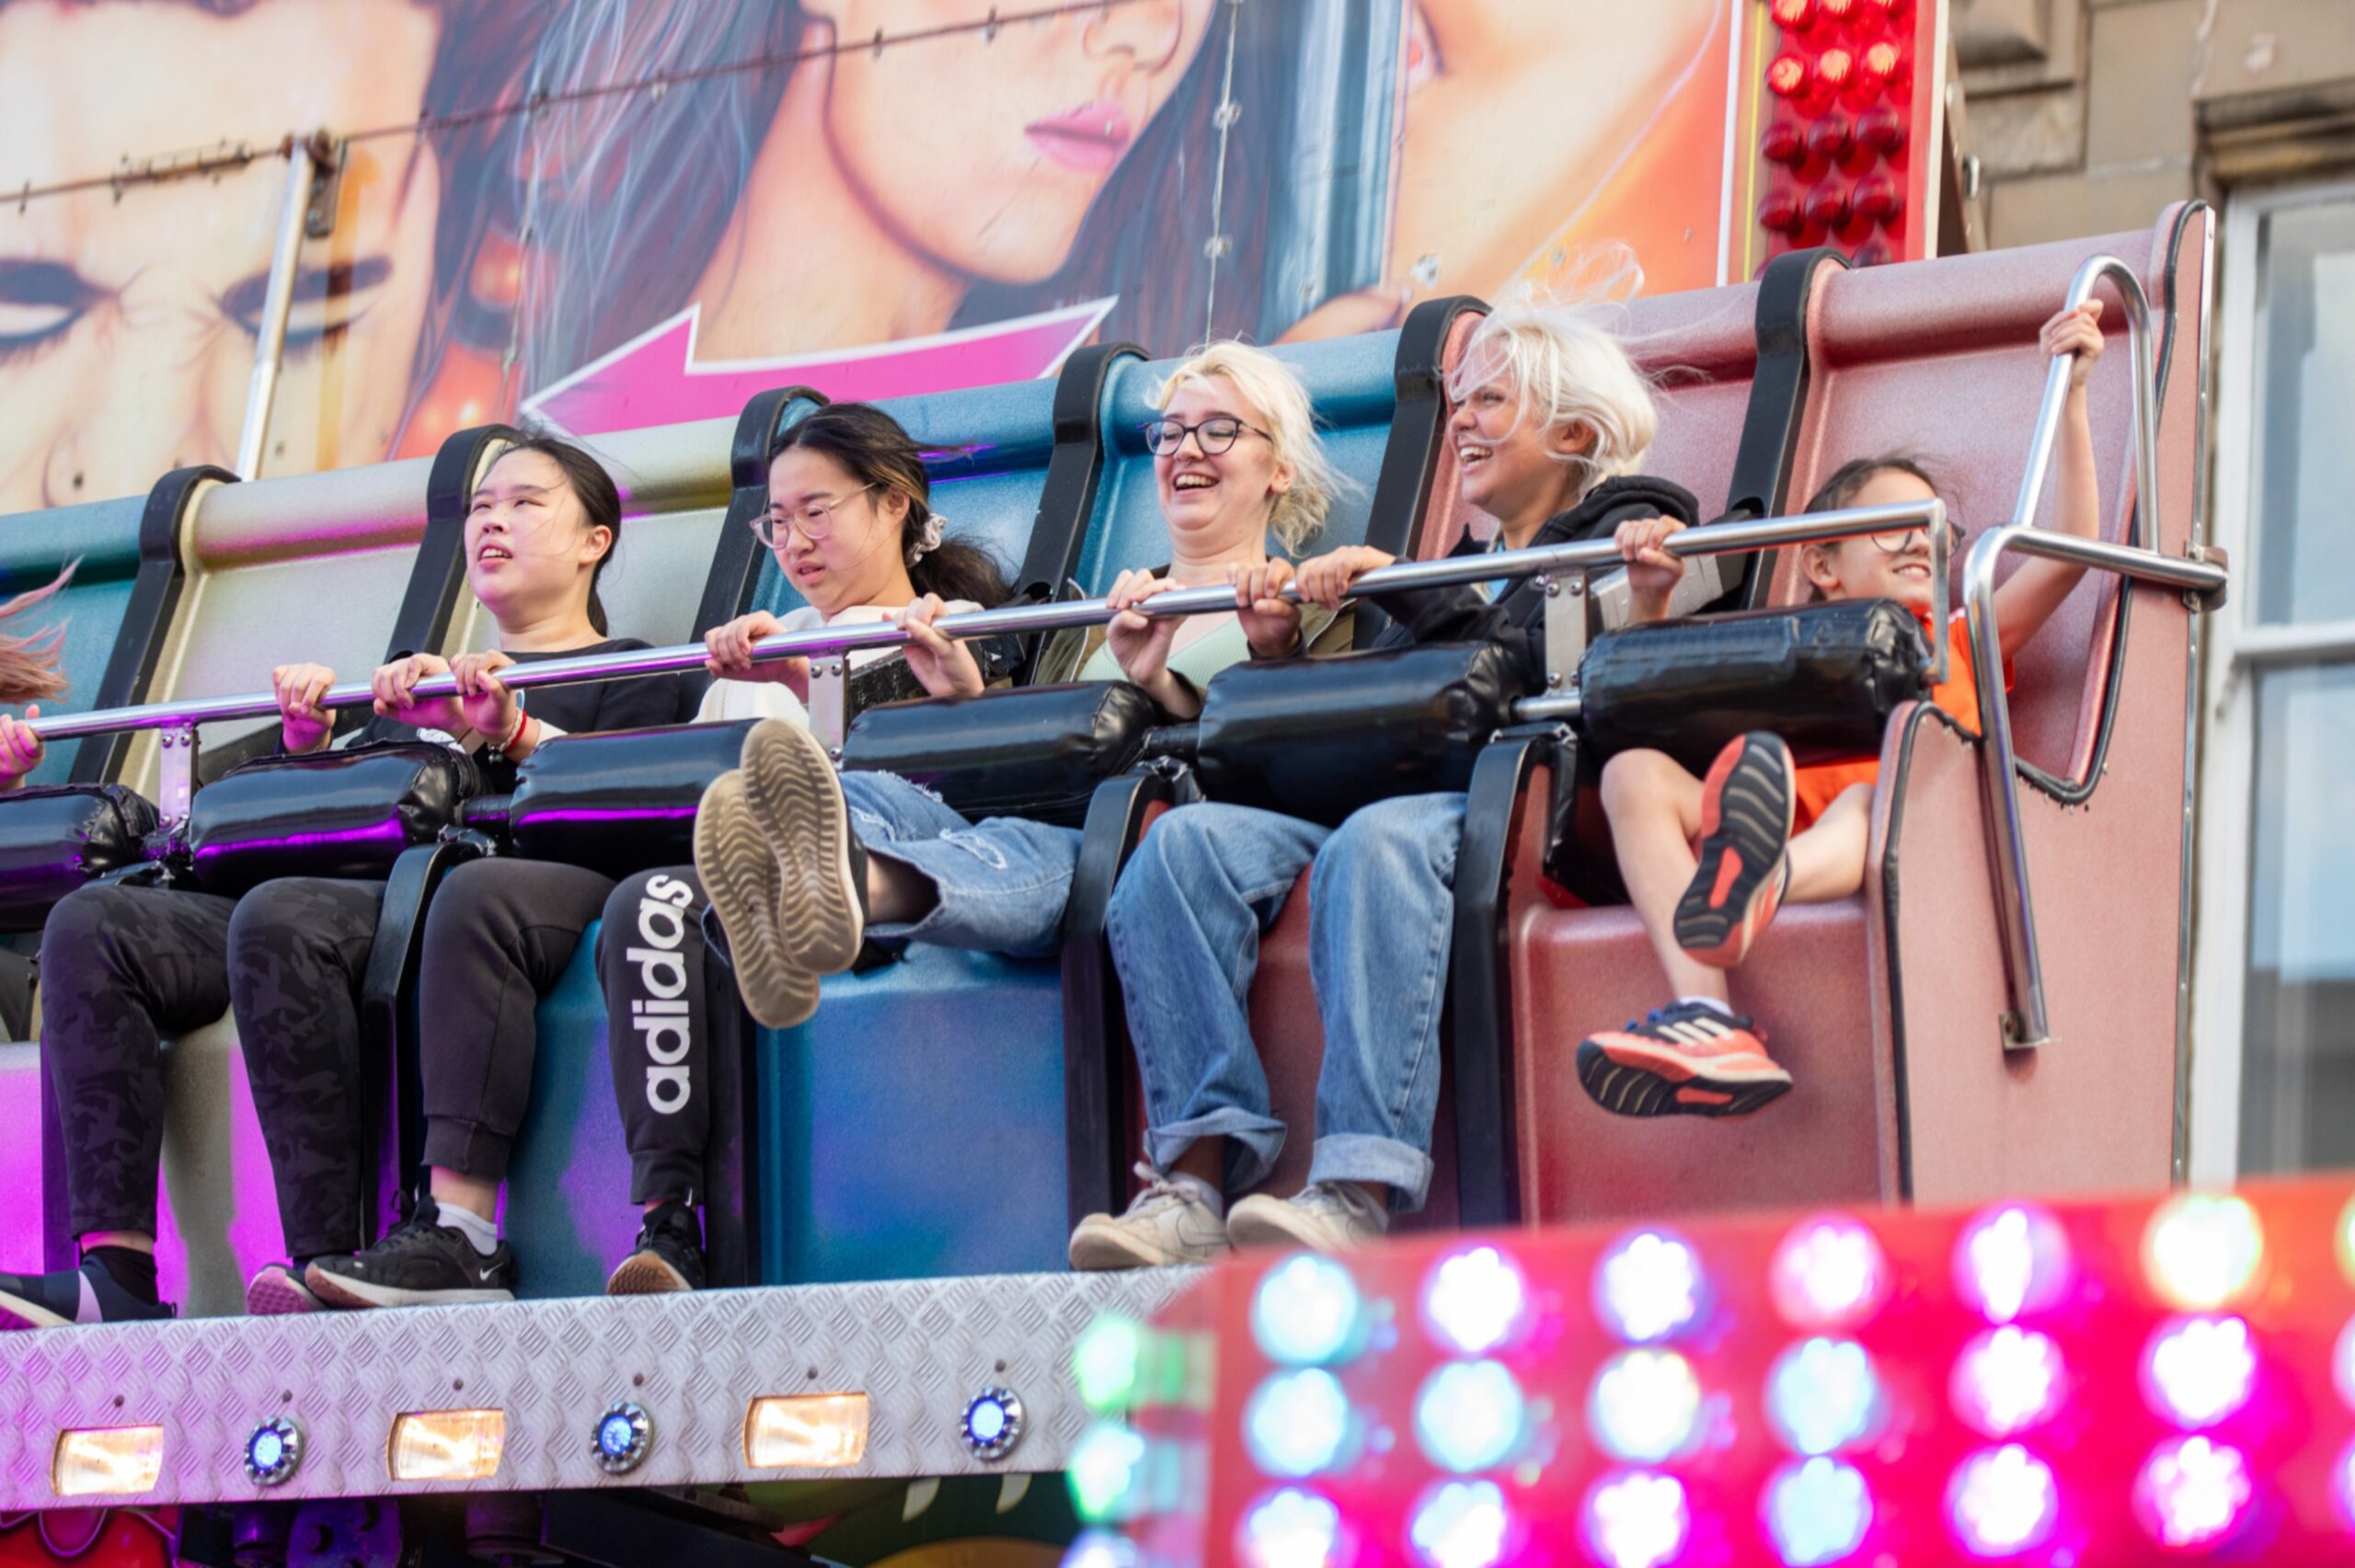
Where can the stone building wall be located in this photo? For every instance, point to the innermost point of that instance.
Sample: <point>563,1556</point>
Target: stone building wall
<point>2086,117</point>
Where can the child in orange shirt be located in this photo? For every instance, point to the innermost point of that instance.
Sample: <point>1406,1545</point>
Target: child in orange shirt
<point>1707,861</point>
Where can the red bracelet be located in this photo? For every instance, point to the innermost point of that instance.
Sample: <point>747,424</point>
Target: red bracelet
<point>523,719</point>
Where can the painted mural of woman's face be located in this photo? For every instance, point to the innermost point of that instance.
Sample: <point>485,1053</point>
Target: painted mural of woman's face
<point>127,326</point>
<point>986,149</point>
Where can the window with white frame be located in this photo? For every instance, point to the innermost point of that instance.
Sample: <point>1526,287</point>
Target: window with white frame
<point>2274,1013</point>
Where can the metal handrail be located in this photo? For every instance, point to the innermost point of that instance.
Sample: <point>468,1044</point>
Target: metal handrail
<point>1724,538</point>
<point>2028,1023</point>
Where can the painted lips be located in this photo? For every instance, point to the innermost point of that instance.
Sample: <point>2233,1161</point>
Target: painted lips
<point>1090,138</point>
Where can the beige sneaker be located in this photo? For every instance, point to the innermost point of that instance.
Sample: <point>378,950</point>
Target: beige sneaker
<point>1327,1217</point>
<point>742,878</point>
<point>1166,1224</point>
<point>793,799</point>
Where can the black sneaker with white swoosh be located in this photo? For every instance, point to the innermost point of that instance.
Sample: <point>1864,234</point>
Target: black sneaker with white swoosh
<point>420,1262</point>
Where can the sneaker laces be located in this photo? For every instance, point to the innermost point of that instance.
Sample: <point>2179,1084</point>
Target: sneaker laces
<point>413,1232</point>
<point>1343,1200</point>
<point>1158,1187</point>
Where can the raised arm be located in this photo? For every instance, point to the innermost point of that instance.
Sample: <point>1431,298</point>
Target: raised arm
<point>2031,594</point>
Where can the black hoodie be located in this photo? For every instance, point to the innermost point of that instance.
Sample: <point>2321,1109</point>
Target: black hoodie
<point>1464,614</point>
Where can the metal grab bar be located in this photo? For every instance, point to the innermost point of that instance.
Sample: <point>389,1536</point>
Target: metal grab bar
<point>2028,1024</point>
<point>1724,538</point>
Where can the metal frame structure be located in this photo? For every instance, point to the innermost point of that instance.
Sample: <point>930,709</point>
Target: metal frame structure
<point>2027,1024</point>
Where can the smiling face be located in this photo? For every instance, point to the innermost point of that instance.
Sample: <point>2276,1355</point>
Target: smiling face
<point>127,323</point>
<point>1217,503</point>
<point>986,151</point>
<point>1508,463</point>
<point>1860,568</point>
<point>861,559</point>
<point>529,546</point>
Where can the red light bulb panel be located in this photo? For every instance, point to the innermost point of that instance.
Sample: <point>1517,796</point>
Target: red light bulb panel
<point>2019,1383</point>
<point>1843,128</point>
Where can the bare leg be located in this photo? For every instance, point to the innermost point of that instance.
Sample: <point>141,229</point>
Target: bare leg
<point>135,1240</point>
<point>470,1193</point>
<point>1827,860</point>
<point>1655,809</point>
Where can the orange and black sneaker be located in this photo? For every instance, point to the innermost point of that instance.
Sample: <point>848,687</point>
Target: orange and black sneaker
<point>1745,828</point>
<point>1686,1059</point>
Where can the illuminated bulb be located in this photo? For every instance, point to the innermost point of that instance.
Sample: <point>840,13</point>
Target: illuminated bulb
<point>2200,1251</point>
<point>2342,1478</point>
<point>1823,1395</point>
<point>2346,1241</point>
<point>1817,1511</point>
<point>2001,1501</point>
<point>1105,1362</point>
<point>1838,10</point>
<point>1833,67</point>
<point>1291,1529</point>
<point>1787,76</point>
<point>2011,1261</point>
<point>1880,61</point>
<point>1475,1301</point>
<point>1306,1311</point>
<point>1792,15</point>
<point>1645,1405</point>
<point>1103,1471</point>
<point>2199,1370</point>
<point>1469,1416</point>
<point>2342,1364</point>
<point>1461,1524</point>
<point>2007,1380</point>
<point>1637,1521</point>
<point>1100,1549</point>
<point>1297,1422</point>
<point>1828,1274</point>
<point>1648,1287</point>
<point>2192,1492</point>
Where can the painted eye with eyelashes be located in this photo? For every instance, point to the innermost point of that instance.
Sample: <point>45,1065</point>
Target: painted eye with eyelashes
<point>39,303</point>
<point>327,301</point>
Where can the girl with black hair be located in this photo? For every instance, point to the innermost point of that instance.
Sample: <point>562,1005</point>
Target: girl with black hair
<point>123,967</point>
<point>851,523</point>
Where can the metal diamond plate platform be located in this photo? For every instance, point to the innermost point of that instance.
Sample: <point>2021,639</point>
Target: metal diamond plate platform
<point>919,1349</point>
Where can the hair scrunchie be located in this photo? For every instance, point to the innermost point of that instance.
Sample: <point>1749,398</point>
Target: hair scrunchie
<point>929,539</point>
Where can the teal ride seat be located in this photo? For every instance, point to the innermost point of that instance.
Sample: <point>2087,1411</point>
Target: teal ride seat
<point>103,538</point>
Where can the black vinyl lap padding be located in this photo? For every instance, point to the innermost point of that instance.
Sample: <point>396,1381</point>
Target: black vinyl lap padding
<point>1317,739</point>
<point>344,814</point>
<point>55,838</point>
<point>619,803</point>
<point>1035,751</point>
<point>1824,677</point>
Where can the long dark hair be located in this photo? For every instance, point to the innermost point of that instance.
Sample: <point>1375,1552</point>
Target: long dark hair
<point>601,500</point>
<point>1841,490</point>
<point>876,450</point>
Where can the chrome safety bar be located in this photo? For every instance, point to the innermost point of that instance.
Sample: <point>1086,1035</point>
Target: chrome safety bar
<point>1716,539</point>
<point>2028,1024</point>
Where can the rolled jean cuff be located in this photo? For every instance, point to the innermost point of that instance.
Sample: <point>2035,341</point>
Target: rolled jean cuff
<point>1255,1141</point>
<point>665,1177</point>
<point>1368,1160</point>
<point>468,1148</point>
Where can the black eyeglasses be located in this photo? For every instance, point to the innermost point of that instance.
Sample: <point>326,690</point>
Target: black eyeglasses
<point>1214,435</point>
<point>1895,541</point>
<point>814,518</point>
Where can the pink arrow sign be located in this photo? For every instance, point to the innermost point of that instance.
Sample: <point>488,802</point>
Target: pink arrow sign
<point>654,379</point>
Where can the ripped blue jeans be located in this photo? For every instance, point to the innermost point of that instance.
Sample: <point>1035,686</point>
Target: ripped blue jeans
<point>1001,884</point>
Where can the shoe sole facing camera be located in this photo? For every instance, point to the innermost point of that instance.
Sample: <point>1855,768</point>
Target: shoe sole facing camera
<point>1259,1222</point>
<point>1633,1078</point>
<point>647,1274</point>
<point>18,1315</point>
<point>275,1292</point>
<point>796,805</point>
<point>1746,807</point>
<point>740,876</point>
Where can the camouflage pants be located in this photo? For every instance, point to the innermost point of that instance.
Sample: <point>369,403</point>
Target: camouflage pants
<point>499,936</point>
<point>121,967</point>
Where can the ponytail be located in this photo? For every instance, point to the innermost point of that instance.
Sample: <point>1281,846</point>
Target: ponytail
<point>28,665</point>
<point>876,450</point>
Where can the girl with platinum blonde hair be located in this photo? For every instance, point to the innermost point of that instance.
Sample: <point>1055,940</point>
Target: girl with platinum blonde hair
<point>1551,421</point>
